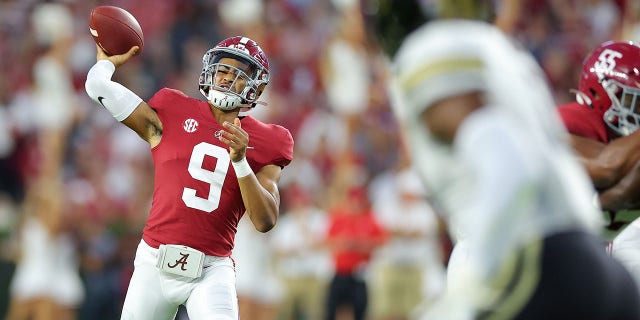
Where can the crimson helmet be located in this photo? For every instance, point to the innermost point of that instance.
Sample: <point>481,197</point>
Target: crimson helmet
<point>610,84</point>
<point>243,85</point>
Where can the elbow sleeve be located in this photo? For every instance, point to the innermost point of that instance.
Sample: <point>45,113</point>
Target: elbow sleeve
<point>113,96</point>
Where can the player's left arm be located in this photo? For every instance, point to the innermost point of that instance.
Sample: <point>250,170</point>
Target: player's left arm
<point>259,190</point>
<point>261,196</point>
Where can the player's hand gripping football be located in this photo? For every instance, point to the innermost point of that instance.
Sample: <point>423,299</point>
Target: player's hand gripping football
<point>236,138</point>
<point>119,59</point>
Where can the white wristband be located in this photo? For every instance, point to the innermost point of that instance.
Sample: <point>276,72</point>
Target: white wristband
<point>242,168</point>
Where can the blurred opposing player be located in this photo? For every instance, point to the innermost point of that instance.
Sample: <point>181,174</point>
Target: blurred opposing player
<point>603,123</point>
<point>211,166</point>
<point>483,133</point>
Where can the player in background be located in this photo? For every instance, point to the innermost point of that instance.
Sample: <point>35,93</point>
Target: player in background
<point>211,167</point>
<point>603,123</point>
<point>483,133</point>
<point>353,236</point>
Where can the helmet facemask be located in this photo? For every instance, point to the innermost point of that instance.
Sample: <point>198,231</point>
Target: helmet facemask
<point>226,86</point>
<point>624,115</point>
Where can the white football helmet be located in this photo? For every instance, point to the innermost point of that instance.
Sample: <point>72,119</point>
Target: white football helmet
<point>449,57</point>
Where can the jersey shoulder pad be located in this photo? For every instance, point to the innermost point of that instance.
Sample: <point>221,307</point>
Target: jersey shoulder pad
<point>273,142</point>
<point>167,97</point>
<point>582,121</point>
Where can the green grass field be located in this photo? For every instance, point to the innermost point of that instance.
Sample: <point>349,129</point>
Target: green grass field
<point>621,220</point>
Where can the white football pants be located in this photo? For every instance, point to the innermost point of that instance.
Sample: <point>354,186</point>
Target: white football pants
<point>156,295</point>
<point>626,248</point>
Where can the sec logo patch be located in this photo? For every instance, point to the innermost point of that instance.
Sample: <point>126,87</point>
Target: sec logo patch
<point>190,125</point>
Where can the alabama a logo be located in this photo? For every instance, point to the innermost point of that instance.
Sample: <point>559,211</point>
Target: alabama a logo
<point>190,125</point>
<point>182,262</point>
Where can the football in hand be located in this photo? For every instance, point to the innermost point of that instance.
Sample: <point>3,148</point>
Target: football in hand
<point>115,30</point>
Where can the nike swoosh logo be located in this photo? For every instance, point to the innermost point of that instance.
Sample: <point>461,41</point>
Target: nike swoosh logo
<point>100,100</point>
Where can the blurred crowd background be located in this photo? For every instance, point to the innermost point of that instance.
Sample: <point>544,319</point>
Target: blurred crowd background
<point>75,185</point>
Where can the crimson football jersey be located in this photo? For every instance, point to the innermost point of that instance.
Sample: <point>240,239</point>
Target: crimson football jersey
<point>196,199</point>
<point>584,122</point>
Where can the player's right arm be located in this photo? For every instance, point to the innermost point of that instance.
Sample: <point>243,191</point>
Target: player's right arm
<point>124,105</point>
<point>614,169</point>
<point>624,194</point>
<point>594,157</point>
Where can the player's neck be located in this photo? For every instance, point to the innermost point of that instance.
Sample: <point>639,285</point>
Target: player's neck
<point>224,115</point>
